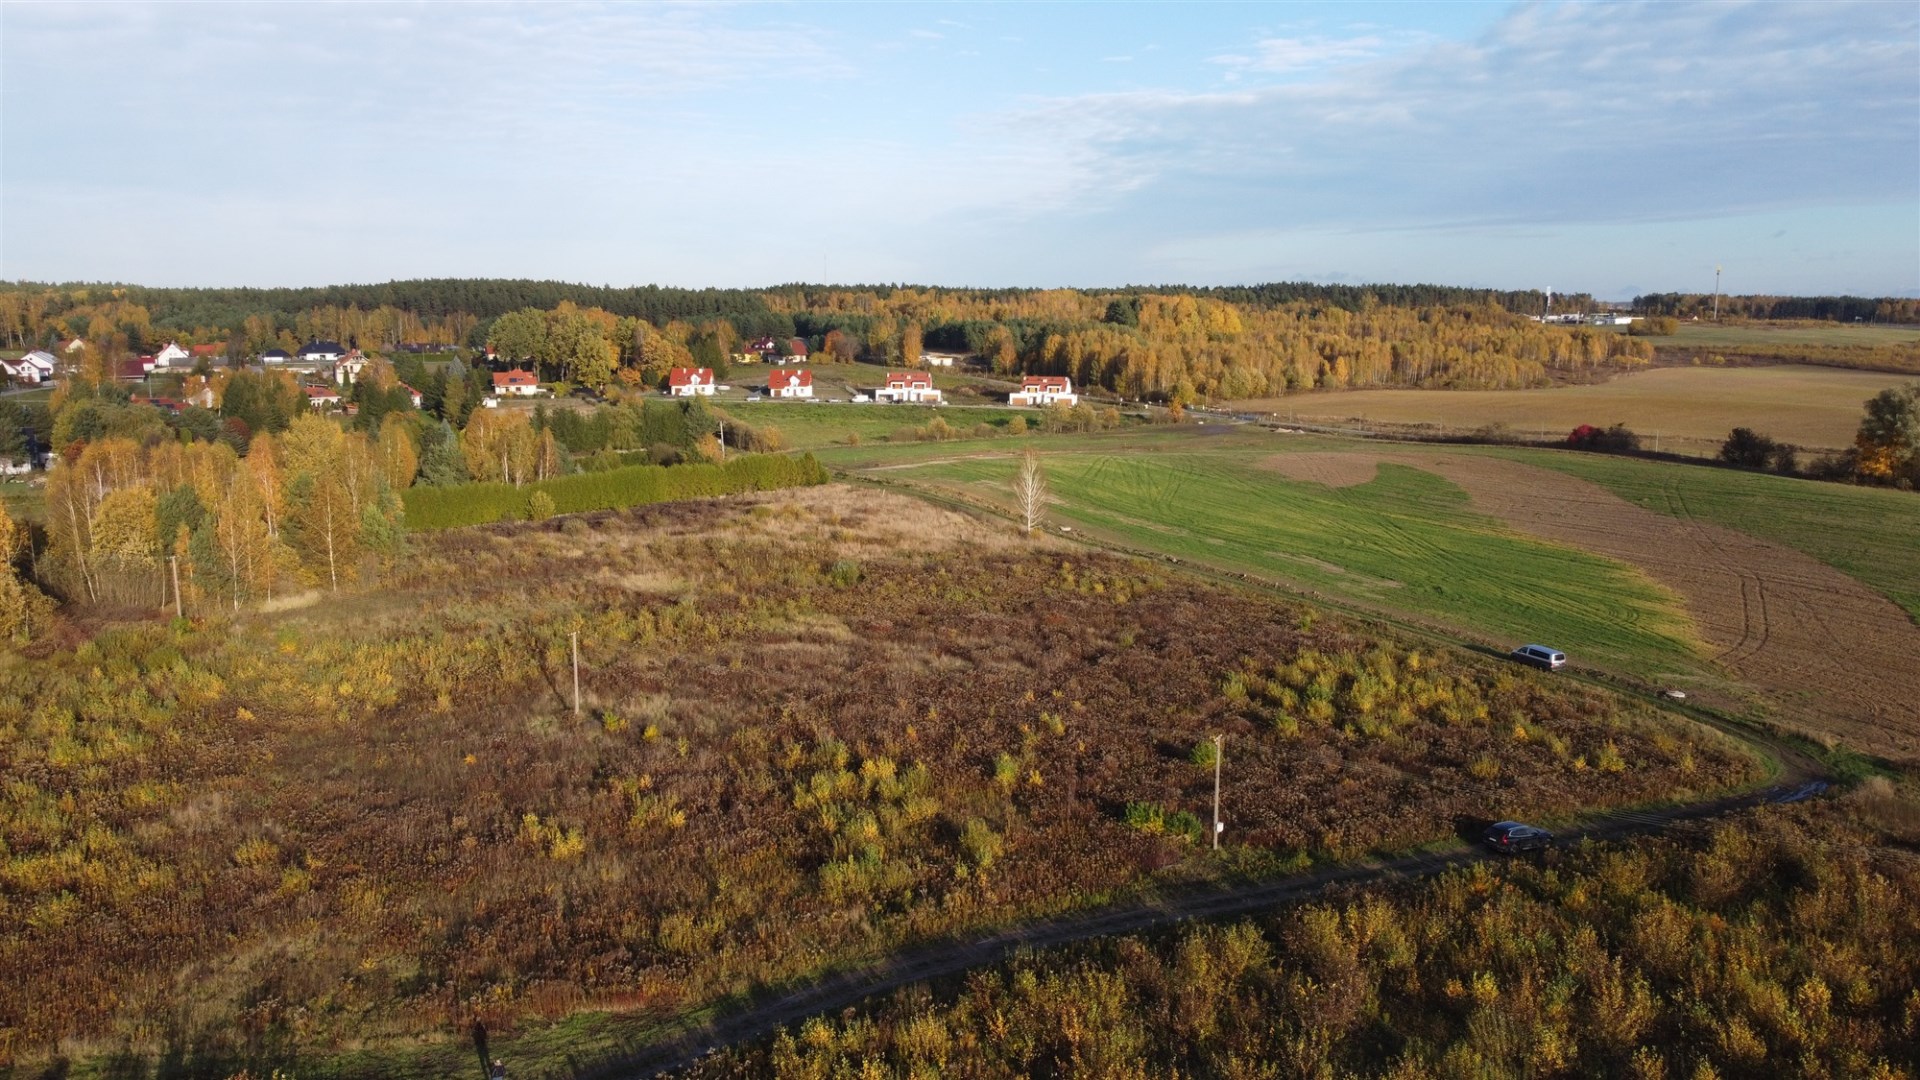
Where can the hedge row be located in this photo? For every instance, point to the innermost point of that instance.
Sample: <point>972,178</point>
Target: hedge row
<point>478,504</point>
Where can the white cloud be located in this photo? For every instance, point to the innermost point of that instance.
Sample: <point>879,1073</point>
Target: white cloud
<point>1298,54</point>
<point>1564,112</point>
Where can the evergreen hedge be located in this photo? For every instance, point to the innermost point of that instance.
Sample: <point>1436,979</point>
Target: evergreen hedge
<point>478,504</point>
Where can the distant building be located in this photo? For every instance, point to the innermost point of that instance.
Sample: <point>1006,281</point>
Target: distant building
<point>914,386</point>
<point>515,384</point>
<point>36,367</point>
<point>321,397</point>
<point>171,356</point>
<point>275,356</point>
<point>320,352</point>
<point>1044,390</point>
<point>790,384</point>
<point>687,382</point>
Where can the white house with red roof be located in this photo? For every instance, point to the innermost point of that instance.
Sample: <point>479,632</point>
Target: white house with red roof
<point>796,351</point>
<point>908,386</point>
<point>35,367</point>
<point>790,384</point>
<point>688,381</point>
<point>413,395</point>
<point>1044,390</point>
<point>321,397</point>
<point>515,384</point>
<point>73,346</point>
<point>347,369</point>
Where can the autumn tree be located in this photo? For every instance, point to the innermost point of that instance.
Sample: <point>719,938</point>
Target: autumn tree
<point>1030,491</point>
<point>25,612</point>
<point>501,447</point>
<point>1887,446</point>
<point>399,460</point>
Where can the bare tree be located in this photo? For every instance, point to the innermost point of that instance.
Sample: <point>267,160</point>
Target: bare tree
<point>1030,491</point>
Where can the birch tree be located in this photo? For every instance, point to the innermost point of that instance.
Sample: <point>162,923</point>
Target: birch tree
<point>1030,491</point>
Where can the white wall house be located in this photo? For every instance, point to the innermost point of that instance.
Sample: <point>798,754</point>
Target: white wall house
<point>347,369</point>
<point>790,384</point>
<point>515,384</point>
<point>688,381</point>
<point>172,356</point>
<point>914,386</point>
<point>320,352</point>
<point>35,367</point>
<point>936,359</point>
<point>1044,390</point>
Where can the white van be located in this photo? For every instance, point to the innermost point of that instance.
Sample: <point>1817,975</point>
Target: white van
<point>1540,656</point>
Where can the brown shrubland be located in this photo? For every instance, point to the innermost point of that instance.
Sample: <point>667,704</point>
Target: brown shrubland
<point>815,726</point>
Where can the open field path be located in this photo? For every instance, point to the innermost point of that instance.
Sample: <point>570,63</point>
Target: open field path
<point>1843,659</point>
<point>1800,778</point>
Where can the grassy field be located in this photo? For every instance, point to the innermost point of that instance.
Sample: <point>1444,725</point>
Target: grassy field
<point>1868,533</point>
<point>1688,410</point>
<point>1738,335</point>
<point>1406,541</point>
<point>809,426</point>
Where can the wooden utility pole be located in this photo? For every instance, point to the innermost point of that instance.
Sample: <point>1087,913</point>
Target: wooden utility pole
<point>1218,752</point>
<point>575,636</point>
<point>178,611</point>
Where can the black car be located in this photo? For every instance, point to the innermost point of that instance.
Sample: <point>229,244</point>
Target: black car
<point>1511,836</point>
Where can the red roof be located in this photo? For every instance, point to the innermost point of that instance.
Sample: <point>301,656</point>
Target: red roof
<point>1057,384</point>
<point>207,350</point>
<point>797,346</point>
<point>789,378</point>
<point>909,379</point>
<point>513,378</point>
<point>320,393</point>
<point>130,369</point>
<point>686,376</point>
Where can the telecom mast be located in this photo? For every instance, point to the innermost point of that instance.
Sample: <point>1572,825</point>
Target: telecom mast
<point>1716,292</point>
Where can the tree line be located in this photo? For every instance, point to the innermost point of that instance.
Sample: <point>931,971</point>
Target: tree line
<point>1846,309</point>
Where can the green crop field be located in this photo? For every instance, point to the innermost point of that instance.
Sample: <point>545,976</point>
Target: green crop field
<point>1872,534</point>
<point>1406,541</point>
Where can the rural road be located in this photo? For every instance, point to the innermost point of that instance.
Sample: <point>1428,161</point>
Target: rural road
<point>1800,778</point>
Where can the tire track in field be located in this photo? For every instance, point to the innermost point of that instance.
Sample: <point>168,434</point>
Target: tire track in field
<point>1836,657</point>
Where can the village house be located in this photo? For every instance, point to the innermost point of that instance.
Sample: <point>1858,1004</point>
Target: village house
<point>36,367</point>
<point>346,370</point>
<point>72,346</point>
<point>755,351</point>
<point>133,369</point>
<point>413,395</point>
<point>937,359</point>
<point>796,351</point>
<point>916,386</point>
<point>686,382</point>
<point>322,397</point>
<point>207,352</point>
<point>1044,390</point>
<point>171,356</point>
<point>790,384</point>
<point>320,352</point>
<point>515,384</point>
<point>275,356</point>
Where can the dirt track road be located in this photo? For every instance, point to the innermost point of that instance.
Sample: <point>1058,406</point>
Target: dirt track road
<point>1800,778</point>
<point>1830,649</point>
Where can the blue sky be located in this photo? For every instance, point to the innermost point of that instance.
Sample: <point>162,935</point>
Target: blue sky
<point>1615,148</point>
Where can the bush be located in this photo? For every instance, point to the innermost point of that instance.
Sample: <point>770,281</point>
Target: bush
<point>1747,447</point>
<point>1654,326</point>
<point>539,506</point>
<point>479,504</point>
<point>1618,439</point>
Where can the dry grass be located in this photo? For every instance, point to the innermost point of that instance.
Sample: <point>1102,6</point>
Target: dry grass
<point>858,721</point>
<point>1690,409</point>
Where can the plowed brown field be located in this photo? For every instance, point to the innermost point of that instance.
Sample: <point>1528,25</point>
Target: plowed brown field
<point>1837,657</point>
